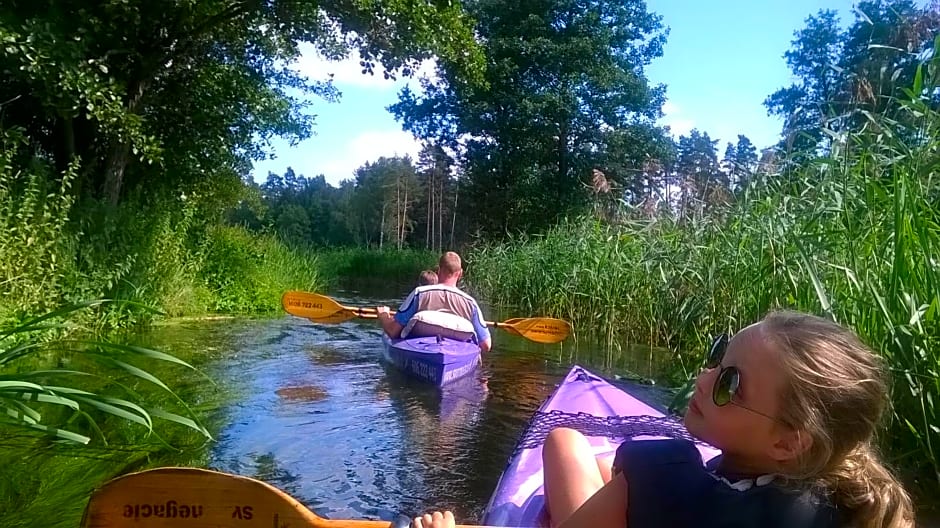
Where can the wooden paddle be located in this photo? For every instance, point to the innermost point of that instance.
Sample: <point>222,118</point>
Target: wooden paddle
<point>199,498</point>
<point>323,309</point>
<point>511,329</point>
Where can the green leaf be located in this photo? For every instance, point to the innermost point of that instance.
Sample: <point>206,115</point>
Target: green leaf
<point>182,420</point>
<point>111,406</point>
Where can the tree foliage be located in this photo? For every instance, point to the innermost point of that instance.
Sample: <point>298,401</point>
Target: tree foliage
<point>165,94</point>
<point>565,93</point>
<point>388,203</point>
<point>842,73</point>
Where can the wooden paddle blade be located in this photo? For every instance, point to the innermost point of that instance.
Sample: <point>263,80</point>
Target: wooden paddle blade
<point>543,329</point>
<point>194,498</point>
<point>199,498</point>
<point>507,325</point>
<point>343,316</point>
<point>339,317</point>
<point>309,305</point>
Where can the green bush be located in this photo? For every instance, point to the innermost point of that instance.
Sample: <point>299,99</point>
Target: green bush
<point>401,266</point>
<point>248,273</point>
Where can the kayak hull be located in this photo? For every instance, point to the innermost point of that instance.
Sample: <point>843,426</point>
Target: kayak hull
<point>439,361</point>
<point>604,413</point>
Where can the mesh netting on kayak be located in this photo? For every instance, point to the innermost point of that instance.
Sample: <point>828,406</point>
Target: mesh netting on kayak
<point>613,427</point>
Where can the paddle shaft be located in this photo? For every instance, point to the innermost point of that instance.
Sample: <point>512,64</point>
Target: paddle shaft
<point>366,311</point>
<point>323,309</point>
<point>372,313</point>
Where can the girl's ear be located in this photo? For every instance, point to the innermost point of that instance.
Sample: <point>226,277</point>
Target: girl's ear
<point>790,444</point>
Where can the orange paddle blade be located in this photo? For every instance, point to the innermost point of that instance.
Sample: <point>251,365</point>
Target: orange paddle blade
<point>199,498</point>
<point>342,316</point>
<point>320,308</point>
<point>309,305</point>
<point>507,325</point>
<point>539,329</point>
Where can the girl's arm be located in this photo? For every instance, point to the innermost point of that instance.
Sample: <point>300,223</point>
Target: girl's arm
<point>606,508</point>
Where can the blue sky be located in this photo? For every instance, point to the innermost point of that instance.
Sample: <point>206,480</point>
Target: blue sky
<point>721,60</point>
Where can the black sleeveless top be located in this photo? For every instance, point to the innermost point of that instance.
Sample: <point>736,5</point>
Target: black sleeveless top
<point>669,486</point>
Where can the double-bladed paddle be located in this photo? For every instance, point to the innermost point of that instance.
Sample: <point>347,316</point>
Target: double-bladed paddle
<point>199,498</point>
<point>322,309</point>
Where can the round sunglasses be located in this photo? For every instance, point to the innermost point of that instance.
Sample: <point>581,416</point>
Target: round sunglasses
<point>729,378</point>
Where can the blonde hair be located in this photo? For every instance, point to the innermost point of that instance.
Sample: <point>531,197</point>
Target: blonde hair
<point>449,264</point>
<point>836,392</point>
<point>427,277</point>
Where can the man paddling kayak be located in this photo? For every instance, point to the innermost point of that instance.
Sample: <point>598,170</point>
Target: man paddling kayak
<point>443,296</point>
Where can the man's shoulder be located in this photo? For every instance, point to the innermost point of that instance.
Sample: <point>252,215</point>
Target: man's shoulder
<point>443,288</point>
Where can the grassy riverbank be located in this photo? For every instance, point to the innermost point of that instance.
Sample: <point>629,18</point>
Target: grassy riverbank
<point>367,265</point>
<point>855,235</point>
<point>162,254</point>
<point>104,409</point>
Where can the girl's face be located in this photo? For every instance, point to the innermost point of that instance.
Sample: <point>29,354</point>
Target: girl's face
<point>746,428</point>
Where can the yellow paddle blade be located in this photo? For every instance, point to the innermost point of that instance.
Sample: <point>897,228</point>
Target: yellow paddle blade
<point>507,325</point>
<point>339,317</point>
<point>322,309</point>
<point>167,497</point>
<point>309,305</point>
<point>541,329</point>
<point>199,498</point>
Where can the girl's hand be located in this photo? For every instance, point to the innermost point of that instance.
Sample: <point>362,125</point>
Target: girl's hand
<point>435,520</point>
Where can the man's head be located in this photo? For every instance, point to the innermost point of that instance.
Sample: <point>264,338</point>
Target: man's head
<point>449,269</point>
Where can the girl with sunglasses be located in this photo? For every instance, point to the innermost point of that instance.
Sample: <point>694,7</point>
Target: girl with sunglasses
<point>792,401</point>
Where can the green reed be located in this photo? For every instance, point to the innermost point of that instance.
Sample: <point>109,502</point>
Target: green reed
<point>77,411</point>
<point>382,265</point>
<point>854,235</point>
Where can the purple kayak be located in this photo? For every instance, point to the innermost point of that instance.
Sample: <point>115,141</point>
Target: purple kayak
<point>605,414</point>
<point>437,360</point>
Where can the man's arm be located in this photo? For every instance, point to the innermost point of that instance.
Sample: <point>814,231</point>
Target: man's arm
<point>389,324</point>
<point>393,325</point>
<point>480,329</point>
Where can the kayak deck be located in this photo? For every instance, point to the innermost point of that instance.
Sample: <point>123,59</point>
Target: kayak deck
<point>605,414</point>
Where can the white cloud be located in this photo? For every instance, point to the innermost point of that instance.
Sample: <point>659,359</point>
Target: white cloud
<point>348,72</point>
<point>367,147</point>
<point>673,118</point>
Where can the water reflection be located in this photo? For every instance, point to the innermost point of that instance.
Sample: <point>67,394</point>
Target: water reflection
<point>317,414</point>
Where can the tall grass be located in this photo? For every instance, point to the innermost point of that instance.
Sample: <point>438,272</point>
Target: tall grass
<point>159,252</point>
<point>854,235</point>
<point>34,252</point>
<point>246,272</point>
<point>77,411</point>
<point>393,265</point>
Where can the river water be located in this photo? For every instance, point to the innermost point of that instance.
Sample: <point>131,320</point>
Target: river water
<point>314,412</point>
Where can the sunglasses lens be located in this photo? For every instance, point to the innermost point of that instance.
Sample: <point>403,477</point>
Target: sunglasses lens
<point>725,386</point>
<point>717,351</point>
